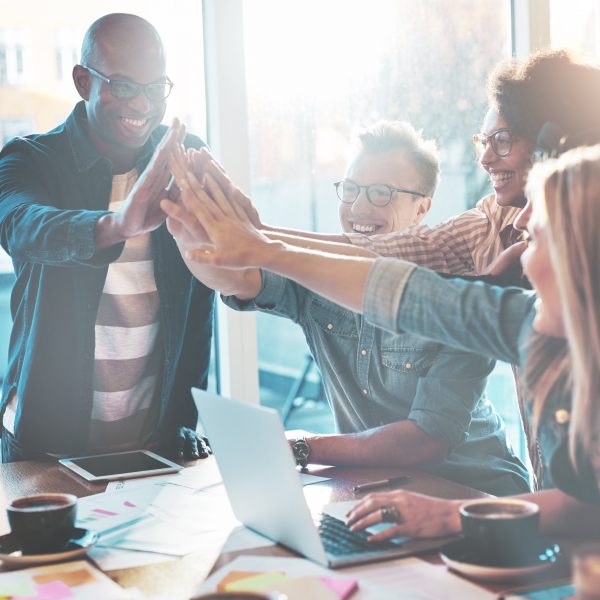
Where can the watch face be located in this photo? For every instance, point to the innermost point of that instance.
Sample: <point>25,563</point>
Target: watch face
<point>301,450</point>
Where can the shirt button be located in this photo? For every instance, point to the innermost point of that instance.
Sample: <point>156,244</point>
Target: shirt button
<point>363,352</point>
<point>562,416</point>
<point>408,366</point>
<point>330,326</point>
<point>365,391</point>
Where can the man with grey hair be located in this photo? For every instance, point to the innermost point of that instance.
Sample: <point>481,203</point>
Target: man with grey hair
<point>397,400</point>
<point>110,330</point>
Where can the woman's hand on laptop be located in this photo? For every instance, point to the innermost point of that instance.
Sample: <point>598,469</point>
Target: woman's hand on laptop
<point>416,515</point>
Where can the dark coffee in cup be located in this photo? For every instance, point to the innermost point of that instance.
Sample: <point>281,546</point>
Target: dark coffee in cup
<point>501,531</point>
<point>42,523</point>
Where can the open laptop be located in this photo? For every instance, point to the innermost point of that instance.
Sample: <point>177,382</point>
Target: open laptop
<point>260,476</point>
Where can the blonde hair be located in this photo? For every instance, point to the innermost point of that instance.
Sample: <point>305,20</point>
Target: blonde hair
<point>566,196</point>
<point>386,136</point>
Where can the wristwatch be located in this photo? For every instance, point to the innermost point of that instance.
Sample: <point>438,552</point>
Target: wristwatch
<point>301,451</point>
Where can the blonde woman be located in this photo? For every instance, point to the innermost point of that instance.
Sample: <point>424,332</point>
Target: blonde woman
<point>506,323</point>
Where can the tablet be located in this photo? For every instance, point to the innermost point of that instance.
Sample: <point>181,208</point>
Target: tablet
<point>120,465</point>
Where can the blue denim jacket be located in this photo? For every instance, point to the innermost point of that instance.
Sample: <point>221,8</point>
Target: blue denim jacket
<point>470,316</point>
<point>373,377</point>
<point>53,189</point>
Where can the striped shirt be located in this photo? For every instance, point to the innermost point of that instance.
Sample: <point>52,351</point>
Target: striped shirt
<point>128,352</point>
<point>463,245</point>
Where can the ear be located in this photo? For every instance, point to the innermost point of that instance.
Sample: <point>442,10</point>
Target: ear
<point>82,80</point>
<point>424,206</point>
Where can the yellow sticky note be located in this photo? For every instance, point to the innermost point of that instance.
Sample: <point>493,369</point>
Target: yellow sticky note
<point>256,583</point>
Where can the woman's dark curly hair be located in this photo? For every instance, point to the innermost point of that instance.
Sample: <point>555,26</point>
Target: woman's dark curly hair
<point>550,86</point>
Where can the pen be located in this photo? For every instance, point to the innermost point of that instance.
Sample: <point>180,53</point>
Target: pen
<point>372,485</point>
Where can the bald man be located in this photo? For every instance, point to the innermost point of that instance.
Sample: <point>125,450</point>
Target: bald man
<point>110,330</point>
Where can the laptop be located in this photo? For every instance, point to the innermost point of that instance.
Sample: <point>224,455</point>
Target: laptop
<point>260,477</point>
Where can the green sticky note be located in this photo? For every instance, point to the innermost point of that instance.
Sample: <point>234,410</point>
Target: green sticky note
<point>256,583</point>
<point>16,587</point>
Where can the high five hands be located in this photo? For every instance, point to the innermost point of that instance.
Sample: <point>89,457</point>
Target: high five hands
<point>213,221</point>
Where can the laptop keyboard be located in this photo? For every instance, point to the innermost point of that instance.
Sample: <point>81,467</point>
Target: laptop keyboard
<point>339,540</point>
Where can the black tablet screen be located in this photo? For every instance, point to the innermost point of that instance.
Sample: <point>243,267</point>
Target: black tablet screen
<point>111,464</point>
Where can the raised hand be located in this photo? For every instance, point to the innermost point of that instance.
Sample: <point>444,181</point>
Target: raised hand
<point>140,213</point>
<point>202,162</point>
<point>231,239</point>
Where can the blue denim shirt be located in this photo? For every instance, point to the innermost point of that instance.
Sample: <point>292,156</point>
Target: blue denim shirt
<point>53,189</point>
<point>373,377</point>
<point>470,316</point>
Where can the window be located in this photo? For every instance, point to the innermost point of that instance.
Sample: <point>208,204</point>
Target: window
<point>576,25</point>
<point>40,49</point>
<point>323,70</point>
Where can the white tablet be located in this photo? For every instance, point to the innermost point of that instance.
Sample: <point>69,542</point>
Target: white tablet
<point>120,465</point>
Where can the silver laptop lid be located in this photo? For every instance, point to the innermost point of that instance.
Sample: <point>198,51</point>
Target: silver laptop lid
<point>259,471</point>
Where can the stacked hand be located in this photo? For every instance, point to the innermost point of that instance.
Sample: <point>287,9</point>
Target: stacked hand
<point>213,222</point>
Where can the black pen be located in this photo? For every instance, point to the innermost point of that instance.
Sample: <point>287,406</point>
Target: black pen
<point>372,485</point>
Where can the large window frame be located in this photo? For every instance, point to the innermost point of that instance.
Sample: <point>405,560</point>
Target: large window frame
<point>237,358</point>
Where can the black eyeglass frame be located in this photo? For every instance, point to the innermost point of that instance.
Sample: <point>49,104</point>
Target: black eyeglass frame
<point>140,87</point>
<point>480,139</point>
<point>340,194</point>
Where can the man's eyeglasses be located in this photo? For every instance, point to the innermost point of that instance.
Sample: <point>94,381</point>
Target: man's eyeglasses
<point>127,90</point>
<point>501,141</point>
<point>378,194</point>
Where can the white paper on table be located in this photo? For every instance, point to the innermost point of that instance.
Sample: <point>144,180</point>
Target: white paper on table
<point>308,479</point>
<point>110,559</point>
<point>419,580</point>
<point>161,537</point>
<point>242,538</point>
<point>294,567</point>
<point>201,476</point>
<point>111,512</point>
<point>183,521</point>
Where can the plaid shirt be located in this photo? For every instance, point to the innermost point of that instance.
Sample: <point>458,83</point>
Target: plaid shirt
<point>462,245</point>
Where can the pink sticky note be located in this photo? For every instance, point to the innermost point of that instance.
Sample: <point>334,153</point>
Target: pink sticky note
<point>55,590</point>
<point>341,587</point>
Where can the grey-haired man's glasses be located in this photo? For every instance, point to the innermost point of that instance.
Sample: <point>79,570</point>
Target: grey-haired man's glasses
<point>127,90</point>
<point>378,194</point>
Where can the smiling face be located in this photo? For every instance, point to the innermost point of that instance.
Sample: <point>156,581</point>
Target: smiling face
<point>396,170</point>
<point>507,173</point>
<point>119,126</point>
<point>537,266</point>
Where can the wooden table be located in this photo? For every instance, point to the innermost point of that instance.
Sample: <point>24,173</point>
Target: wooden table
<point>179,578</point>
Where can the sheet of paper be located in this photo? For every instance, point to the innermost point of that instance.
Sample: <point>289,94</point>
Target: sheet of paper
<point>75,580</point>
<point>419,580</point>
<point>294,567</point>
<point>242,538</point>
<point>201,476</point>
<point>308,479</point>
<point>111,559</point>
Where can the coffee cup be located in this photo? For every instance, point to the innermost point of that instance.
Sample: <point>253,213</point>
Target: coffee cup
<point>42,523</point>
<point>586,571</point>
<point>501,532</point>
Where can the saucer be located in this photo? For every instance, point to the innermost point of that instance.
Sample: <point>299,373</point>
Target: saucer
<point>79,542</point>
<point>459,557</point>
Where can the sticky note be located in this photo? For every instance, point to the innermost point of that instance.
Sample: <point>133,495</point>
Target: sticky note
<point>342,587</point>
<point>233,576</point>
<point>70,578</point>
<point>22,587</point>
<point>256,583</point>
<point>56,590</point>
